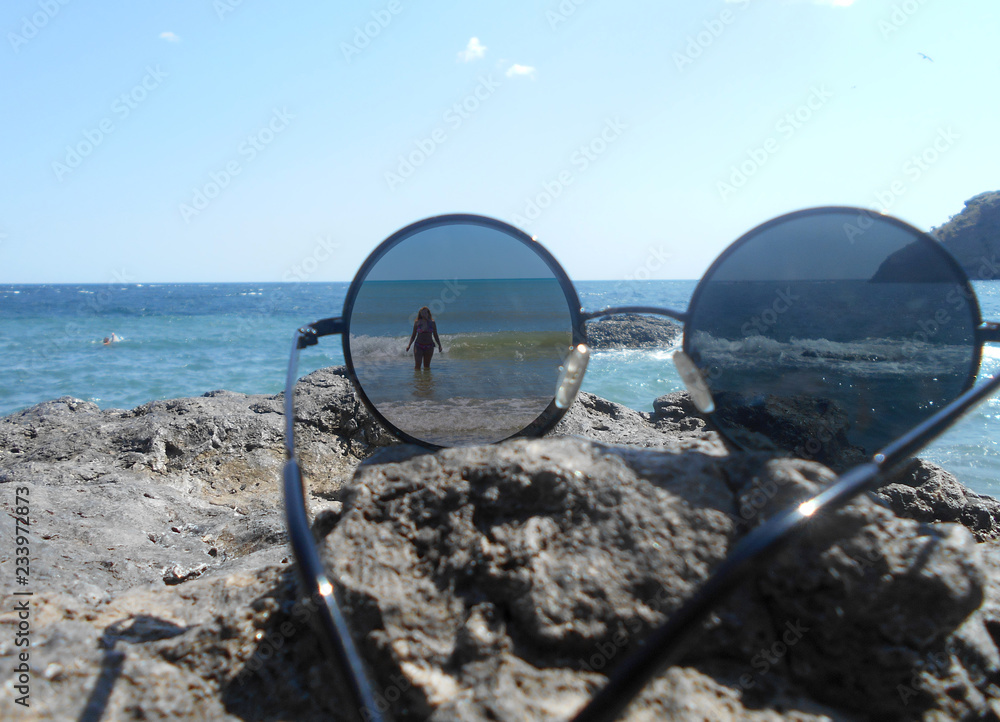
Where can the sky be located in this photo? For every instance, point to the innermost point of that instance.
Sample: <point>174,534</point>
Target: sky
<point>459,249</point>
<point>238,140</point>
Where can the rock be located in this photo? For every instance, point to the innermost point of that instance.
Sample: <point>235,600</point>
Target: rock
<point>917,262</point>
<point>630,330</point>
<point>926,492</point>
<point>973,236</point>
<point>495,582</point>
<point>871,597</point>
<point>596,418</point>
<point>119,498</point>
<point>814,428</point>
<point>533,565</point>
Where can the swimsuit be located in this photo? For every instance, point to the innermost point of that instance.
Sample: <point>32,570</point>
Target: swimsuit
<point>423,331</point>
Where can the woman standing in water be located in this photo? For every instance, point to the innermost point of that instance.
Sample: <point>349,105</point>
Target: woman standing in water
<point>426,335</point>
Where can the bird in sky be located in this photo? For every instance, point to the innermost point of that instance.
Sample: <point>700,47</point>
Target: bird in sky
<point>926,57</point>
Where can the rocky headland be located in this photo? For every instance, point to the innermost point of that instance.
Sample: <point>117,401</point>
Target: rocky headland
<point>973,236</point>
<point>484,583</point>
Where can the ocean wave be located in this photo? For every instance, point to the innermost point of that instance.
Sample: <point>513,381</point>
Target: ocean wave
<point>882,356</point>
<point>519,346</point>
<point>629,354</point>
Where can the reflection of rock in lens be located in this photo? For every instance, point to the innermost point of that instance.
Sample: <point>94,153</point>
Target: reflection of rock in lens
<point>808,427</point>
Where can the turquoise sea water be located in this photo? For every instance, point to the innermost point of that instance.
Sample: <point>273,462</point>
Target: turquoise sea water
<point>186,339</point>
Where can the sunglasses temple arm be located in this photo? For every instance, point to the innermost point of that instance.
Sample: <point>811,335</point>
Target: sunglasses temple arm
<point>669,642</point>
<point>616,310</point>
<point>321,598</point>
<point>290,378</point>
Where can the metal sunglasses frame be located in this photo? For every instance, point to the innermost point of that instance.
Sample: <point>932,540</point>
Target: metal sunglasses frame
<point>668,642</point>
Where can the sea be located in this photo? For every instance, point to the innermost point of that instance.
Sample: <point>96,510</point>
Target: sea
<point>178,340</point>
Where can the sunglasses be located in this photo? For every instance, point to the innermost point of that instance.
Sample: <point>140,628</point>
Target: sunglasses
<point>832,334</point>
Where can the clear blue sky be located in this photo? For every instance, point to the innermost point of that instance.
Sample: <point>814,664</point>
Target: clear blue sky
<point>314,104</point>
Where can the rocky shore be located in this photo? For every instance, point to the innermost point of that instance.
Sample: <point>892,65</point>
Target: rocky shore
<point>486,583</point>
<point>631,330</point>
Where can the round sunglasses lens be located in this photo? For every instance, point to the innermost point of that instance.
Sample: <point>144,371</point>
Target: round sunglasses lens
<point>499,313</point>
<point>828,333</point>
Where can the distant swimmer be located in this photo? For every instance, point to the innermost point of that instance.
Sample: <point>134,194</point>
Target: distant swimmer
<point>425,334</point>
<point>113,338</point>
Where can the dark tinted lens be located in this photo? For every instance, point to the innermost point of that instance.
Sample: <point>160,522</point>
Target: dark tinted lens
<point>828,333</point>
<point>501,315</point>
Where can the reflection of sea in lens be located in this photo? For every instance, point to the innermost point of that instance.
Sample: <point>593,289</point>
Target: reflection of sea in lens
<point>503,340</point>
<point>827,349</point>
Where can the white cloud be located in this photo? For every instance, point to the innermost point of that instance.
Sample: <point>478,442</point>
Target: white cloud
<point>517,69</point>
<point>473,51</point>
<point>170,37</point>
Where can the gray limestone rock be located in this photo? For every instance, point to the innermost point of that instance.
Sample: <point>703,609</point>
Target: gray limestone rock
<point>495,582</point>
<point>926,492</point>
<point>471,572</point>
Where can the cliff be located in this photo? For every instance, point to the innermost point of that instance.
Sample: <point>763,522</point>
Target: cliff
<point>973,236</point>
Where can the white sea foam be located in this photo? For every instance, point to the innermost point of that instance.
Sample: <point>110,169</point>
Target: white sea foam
<point>870,356</point>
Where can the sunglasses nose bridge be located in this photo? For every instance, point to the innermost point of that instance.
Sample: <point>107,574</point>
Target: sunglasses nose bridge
<point>571,375</point>
<point>694,382</point>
